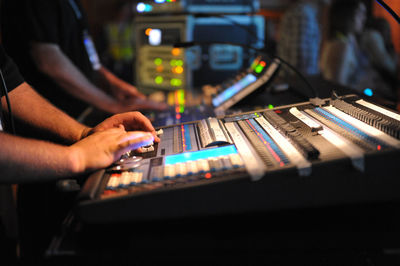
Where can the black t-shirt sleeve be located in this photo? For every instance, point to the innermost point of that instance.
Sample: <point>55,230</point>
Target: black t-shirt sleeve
<point>10,71</point>
<point>43,20</point>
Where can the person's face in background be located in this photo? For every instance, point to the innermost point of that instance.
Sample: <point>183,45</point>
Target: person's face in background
<point>360,17</point>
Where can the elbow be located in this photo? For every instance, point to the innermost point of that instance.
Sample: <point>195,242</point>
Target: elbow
<point>44,65</point>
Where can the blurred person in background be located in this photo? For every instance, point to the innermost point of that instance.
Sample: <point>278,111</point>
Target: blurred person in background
<point>343,59</point>
<point>51,43</point>
<point>376,41</point>
<point>300,35</point>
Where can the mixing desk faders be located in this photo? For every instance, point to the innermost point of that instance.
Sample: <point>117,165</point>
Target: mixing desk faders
<point>293,156</point>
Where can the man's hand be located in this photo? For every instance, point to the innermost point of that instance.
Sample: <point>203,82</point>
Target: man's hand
<point>122,90</point>
<point>102,148</point>
<point>131,121</point>
<point>127,97</point>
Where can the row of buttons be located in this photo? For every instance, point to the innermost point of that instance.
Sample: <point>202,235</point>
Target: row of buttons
<point>201,166</point>
<point>124,180</point>
<point>127,179</point>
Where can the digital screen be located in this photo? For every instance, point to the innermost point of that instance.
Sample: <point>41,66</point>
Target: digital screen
<point>233,90</point>
<point>161,36</point>
<point>198,155</point>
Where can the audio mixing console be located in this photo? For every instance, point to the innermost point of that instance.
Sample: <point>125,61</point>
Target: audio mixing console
<point>299,155</point>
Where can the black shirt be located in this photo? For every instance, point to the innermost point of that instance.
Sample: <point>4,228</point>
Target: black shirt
<point>11,75</point>
<point>47,21</point>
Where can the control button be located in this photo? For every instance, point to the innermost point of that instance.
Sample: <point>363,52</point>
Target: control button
<point>211,163</point>
<point>125,180</point>
<point>192,167</point>
<point>169,171</point>
<point>156,174</point>
<point>215,164</point>
<point>159,132</point>
<point>203,166</point>
<point>236,160</point>
<point>181,169</point>
<point>226,162</point>
<point>136,178</point>
<point>147,148</point>
<point>113,182</point>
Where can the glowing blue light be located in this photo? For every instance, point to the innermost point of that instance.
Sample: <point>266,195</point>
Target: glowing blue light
<point>368,92</point>
<point>159,1</point>
<point>140,7</point>
<point>202,154</point>
<point>233,90</point>
<point>148,8</point>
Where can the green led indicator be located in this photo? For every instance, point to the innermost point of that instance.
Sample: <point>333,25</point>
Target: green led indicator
<point>176,82</point>
<point>257,115</point>
<point>259,69</point>
<point>158,61</point>
<point>181,94</point>
<point>172,62</point>
<point>270,106</point>
<point>253,66</point>
<point>179,63</point>
<point>159,80</point>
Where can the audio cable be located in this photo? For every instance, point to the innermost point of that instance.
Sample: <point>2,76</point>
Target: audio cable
<point>5,91</point>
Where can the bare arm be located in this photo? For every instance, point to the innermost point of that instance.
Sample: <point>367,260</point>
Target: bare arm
<point>38,113</point>
<point>27,160</point>
<point>127,93</point>
<point>53,62</point>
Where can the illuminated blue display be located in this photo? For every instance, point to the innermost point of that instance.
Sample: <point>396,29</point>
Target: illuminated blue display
<point>233,90</point>
<point>198,155</point>
<point>159,1</point>
<point>368,92</point>
<point>187,137</point>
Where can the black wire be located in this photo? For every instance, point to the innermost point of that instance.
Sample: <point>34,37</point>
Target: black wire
<point>388,9</point>
<point>5,91</point>
<point>298,73</point>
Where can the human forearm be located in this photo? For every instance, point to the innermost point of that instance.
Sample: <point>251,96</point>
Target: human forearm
<point>38,113</point>
<point>27,160</point>
<point>51,61</point>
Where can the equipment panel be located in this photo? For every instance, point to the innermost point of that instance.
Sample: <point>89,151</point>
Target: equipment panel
<point>285,157</point>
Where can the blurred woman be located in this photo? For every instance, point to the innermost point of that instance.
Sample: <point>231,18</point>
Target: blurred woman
<point>377,43</point>
<point>342,59</point>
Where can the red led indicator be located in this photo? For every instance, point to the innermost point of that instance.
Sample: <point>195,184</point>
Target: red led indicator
<point>178,116</point>
<point>379,147</point>
<point>208,175</point>
<point>278,111</point>
<point>108,192</point>
<point>263,64</point>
